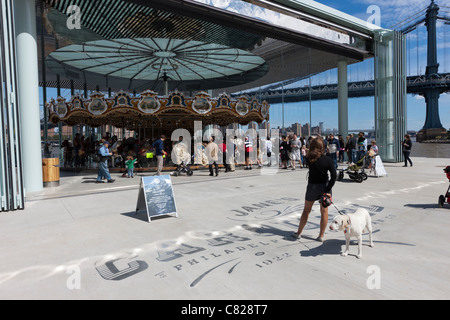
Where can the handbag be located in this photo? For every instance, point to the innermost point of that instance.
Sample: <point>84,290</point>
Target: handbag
<point>96,158</point>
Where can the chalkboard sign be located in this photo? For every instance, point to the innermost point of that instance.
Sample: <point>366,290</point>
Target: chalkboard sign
<point>156,196</point>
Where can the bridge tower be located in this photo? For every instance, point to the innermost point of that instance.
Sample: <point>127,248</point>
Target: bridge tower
<point>433,126</point>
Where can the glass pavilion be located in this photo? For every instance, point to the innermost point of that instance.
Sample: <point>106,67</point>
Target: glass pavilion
<point>218,46</point>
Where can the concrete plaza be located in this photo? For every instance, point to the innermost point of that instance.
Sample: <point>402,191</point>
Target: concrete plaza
<point>83,240</point>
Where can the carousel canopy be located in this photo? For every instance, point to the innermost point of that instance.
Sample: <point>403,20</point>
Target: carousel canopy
<point>184,62</point>
<point>150,110</point>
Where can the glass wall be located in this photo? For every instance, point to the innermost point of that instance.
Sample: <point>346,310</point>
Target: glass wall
<point>11,181</point>
<point>390,93</point>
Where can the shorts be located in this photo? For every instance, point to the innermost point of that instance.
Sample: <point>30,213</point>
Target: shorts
<point>315,190</point>
<point>295,155</point>
<point>247,152</point>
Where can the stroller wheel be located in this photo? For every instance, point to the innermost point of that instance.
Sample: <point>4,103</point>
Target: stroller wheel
<point>363,176</point>
<point>441,201</point>
<point>189,173</point>
<point>340,175</point>
<point>359,178</point>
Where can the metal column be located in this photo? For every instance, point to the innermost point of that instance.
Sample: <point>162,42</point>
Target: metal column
<point>28,86</point>
<point>342,98</point>
<point>433,126</point>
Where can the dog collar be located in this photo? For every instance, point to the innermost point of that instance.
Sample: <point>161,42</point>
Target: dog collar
<point>348,228</point>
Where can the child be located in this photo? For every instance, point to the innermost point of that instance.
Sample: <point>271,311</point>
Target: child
<point>130,166</point>
<point>304,156</point>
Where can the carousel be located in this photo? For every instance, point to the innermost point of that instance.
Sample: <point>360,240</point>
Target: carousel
<point>162,114</point>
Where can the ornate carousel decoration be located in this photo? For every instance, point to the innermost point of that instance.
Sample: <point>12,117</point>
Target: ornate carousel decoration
<point>150,110</point>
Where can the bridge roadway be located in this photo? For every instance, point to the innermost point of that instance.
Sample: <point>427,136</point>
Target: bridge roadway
<point>415,84</point>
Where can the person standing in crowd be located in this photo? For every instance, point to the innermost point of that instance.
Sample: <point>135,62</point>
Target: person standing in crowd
<point>103,171</point>
<point>259,157</point>
<point>232,154</point>
<point>333,148</point>
<point>295,145</point>
<point>325,145</point>
<point>212,153</point>
<point>318,184</point>
<point>223,149</point>
<point>372,153</point>
<point>303,151</point>
<point>362,145</point>
<point>352,147</point>
<point>284,151</point>
<point>269,146</point>
<point>158,145</point>
<point>248,144</point>
<point>374,147</point>
<point>347,149</point>
<point>341,148</point>
<point>406,148</point>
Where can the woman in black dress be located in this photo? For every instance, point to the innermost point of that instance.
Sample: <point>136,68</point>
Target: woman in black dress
<point>406,148</point>
<point>318,184</point>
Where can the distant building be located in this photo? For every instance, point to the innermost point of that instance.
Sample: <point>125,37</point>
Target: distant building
<point>297,128</point>
<point>316,131</point>
<point>305,130</point>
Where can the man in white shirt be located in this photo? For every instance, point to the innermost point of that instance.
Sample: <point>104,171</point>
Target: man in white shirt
<point>296,145</point>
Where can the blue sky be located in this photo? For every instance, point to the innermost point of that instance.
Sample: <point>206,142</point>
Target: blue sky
<point>361,110</point>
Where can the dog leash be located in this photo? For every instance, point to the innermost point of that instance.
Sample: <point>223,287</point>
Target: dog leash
<point>337,209</point>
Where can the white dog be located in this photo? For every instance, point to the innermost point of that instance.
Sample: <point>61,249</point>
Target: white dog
<point>353,225</point>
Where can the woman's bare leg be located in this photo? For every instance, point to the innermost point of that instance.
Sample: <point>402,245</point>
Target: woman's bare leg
<point>323,221</point>
<point>304,219</point>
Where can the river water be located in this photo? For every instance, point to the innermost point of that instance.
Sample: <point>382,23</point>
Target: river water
<point>430,150</point>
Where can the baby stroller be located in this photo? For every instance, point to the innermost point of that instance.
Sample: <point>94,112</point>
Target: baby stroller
<point>183,168</point>
<point>181,158</point>
<point>356,171</point>
<point>443,198</point>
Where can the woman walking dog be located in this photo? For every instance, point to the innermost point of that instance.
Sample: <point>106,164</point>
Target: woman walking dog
<point>318,184</point>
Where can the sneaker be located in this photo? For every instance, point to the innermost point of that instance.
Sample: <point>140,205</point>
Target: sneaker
<point>111,181</point>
